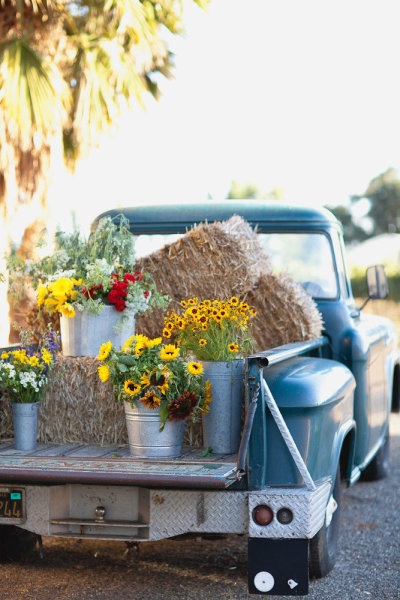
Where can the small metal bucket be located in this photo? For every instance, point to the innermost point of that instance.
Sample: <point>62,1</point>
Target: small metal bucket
<point>25,425</point>
<point>144,435</point>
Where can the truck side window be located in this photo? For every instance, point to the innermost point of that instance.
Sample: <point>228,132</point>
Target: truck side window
<point>307,257</point>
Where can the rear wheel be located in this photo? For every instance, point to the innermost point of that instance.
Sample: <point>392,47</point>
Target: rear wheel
<point>379,466</point>
<point>15,543</point>
<point>324,545</point>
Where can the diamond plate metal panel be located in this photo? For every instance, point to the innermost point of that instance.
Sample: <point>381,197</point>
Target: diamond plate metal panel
<point>174,513</point>
<point>308,509</point>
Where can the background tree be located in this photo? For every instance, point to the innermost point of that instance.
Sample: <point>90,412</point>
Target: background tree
<point>250,191</point>
<point>67,70</point>
<point>352,232</point>
<point>383,194</point>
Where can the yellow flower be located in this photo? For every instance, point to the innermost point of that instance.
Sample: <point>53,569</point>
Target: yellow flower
<point>34,361</point>
<point>195,368</point>
<point>41,294</point>
<point>145,379</point>
<point>20,356</point>
<point>131,388</point>
<point>169,352</point>
<point>127,343</point>
<point>207,397</point>
<point>234,348</point>
<point>67,310</point>
<point>104,350</point>
<point>154,342</point>
<point>202,342</point>
<point>104,373</point>
<point>151,400</point>
<point>4,354</point>
<point>46,356</point>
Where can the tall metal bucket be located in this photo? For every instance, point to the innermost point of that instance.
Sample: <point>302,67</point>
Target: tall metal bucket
<point>144,435</point>
<point>222,424</point>
<point>83,334</point>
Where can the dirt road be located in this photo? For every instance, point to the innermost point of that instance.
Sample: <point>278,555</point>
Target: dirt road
<point>368,565</point>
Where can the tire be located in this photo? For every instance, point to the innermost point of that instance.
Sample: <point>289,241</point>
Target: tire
<point>379,466</point>
<point>15,543</point>
<point>324,545</point>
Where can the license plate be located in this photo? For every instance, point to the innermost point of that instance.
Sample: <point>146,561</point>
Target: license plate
<point>12,503</point>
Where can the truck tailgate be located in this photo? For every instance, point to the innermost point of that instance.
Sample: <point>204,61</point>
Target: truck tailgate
<point>53,464</point>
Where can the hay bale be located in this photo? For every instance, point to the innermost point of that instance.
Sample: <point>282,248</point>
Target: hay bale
<point>77,408</point>
<point>285,312</point>
<point>226,259</point>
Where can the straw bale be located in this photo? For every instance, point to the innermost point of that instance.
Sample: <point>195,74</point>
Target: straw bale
<point>77,408</point>
<point>285,312</point>
<point>225,259</point>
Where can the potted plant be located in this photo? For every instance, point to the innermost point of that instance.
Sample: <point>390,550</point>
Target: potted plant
<point>160,391</point>
<point>92,285</point>
<point>218,333</point>
<point>24,375</point>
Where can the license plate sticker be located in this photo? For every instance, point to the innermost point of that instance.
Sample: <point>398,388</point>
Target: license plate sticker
<point>12,504</point>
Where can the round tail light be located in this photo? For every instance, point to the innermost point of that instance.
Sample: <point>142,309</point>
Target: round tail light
<point>263,515</point>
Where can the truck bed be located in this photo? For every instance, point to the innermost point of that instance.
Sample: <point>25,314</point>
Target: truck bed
<point>72,463</point>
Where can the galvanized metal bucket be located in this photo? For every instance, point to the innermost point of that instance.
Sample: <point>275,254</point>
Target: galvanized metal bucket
<point>25,418</point>
<point>83,334</point>
<point>222,424</point>
<point>144,435</point>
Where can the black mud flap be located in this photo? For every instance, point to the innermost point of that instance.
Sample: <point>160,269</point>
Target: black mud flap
<point>278,567</point>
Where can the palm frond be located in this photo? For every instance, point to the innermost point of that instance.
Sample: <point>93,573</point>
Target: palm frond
<point>33,94</point>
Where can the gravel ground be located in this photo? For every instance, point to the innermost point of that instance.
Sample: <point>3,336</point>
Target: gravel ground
<point>368,566</point>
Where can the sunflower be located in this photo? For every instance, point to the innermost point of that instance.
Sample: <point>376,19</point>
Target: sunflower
<point>131,388</point>
<point>104,350</point>
<point>151,400</point>
<point>234,348</point>
<point>207,397</point>
<point>104,373</point>
<point>195,368</point>
<point>169,352</point>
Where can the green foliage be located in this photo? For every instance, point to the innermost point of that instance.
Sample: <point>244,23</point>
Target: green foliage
<point>383,194</point>
<point>351,231</point>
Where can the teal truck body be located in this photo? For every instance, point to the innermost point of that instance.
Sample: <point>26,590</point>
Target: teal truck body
<point>317,415</point>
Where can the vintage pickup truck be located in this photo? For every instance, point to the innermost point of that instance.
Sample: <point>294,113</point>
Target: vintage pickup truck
<point>317,415</point>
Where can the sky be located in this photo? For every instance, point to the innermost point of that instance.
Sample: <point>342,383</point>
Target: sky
<point>297,96</point>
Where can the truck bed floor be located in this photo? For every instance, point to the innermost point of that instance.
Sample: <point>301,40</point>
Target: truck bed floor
<point>71,463</point>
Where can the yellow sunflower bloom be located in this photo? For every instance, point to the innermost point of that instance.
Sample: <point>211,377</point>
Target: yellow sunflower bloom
<point>234,348</point>
<point>169,352</point>
<point>154,342</point>
<point>131,388</point>
<point>103,373</point>
<point>104,350</point>
<point>195,368</point>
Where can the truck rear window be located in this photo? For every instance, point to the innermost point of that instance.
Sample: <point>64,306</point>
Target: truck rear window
<point>307,257</point>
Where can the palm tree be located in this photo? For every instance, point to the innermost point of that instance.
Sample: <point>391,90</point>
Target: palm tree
<point>67,69</point>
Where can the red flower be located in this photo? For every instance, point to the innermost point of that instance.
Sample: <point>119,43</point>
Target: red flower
<point>92,291</point>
